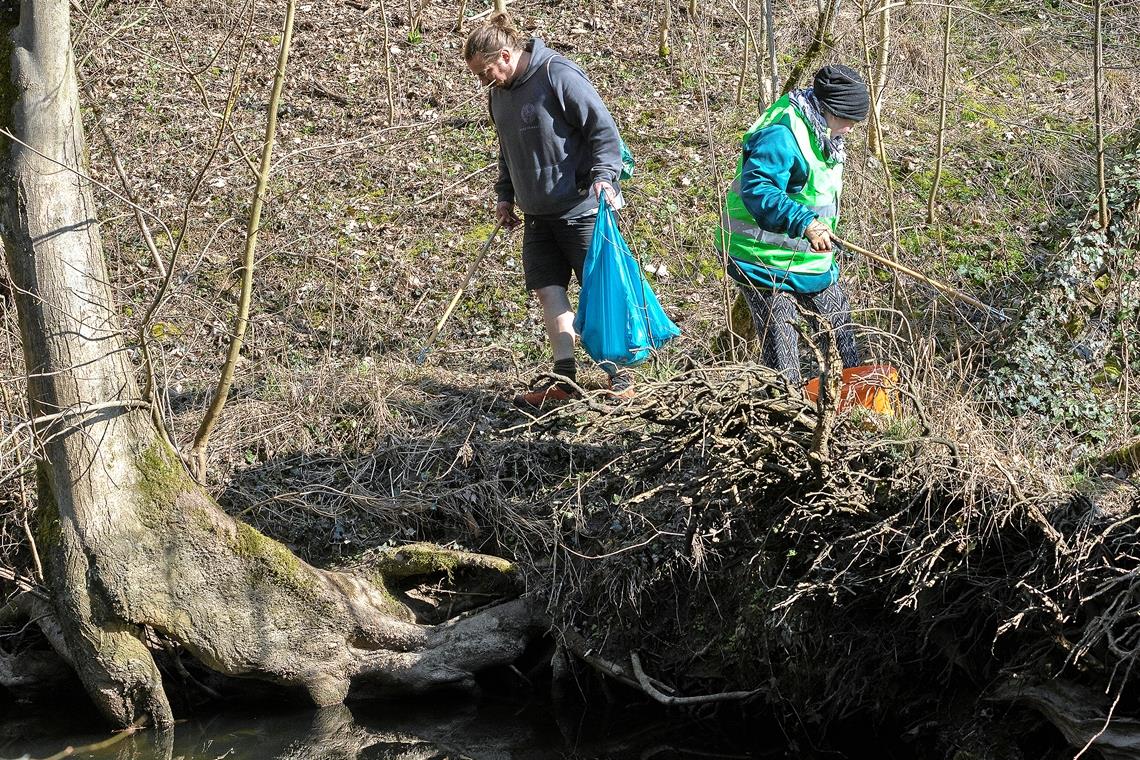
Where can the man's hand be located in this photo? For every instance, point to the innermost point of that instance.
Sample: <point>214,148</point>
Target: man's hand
<point>505,214</point>
<point>819,235</point>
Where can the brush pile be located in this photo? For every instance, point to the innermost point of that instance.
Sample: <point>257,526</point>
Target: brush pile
<point>884,573</point>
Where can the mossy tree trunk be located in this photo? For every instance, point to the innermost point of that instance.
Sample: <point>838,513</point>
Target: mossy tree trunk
<point>130,541</point>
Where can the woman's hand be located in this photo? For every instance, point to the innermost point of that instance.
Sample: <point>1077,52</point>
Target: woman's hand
<point>601,186</point>
<point>819,235</point>
<point>613,199</point>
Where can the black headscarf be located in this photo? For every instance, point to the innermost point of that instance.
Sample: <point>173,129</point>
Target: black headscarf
<point>841,91</point>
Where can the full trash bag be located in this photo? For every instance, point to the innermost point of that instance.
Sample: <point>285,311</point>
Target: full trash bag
<point>619,319</point>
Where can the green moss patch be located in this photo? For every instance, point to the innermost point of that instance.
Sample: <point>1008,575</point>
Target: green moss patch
<point>271,561</point>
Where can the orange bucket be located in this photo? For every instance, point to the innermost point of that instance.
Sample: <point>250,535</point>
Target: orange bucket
<point>871,386</point>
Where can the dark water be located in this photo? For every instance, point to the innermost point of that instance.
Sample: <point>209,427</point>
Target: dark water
<point>431,730</point>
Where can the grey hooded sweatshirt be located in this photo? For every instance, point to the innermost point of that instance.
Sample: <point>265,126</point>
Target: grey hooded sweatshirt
<point>556,138</point>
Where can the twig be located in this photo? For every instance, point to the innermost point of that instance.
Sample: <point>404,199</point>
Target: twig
<point>96,746</point>
<point>28,534</point>
<point>1107,720</point>
<point>579,646</point>
<point>24,584</point>
<point>647,686</point>
<point>460,181</point>
<point>38,421</point>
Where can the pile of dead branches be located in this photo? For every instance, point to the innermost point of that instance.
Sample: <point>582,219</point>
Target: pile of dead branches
<point>883,572</point>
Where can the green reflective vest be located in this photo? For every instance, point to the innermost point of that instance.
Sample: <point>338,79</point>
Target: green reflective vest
<point>741,237</point>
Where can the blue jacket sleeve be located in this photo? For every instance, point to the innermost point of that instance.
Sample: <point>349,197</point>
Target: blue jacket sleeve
<point>773,167</point>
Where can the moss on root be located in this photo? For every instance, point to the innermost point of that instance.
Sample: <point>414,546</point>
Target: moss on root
<point>163,478</point>
<point>427,559</point>
<point>272,561</point>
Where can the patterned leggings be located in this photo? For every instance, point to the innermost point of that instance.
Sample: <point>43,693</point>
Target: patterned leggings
<point>774,313</point>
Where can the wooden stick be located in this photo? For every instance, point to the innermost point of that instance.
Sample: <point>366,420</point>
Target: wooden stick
<point>940,286</point>
<point>458,294</point>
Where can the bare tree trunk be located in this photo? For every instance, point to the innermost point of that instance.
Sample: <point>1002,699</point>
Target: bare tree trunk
<point>749,39</point>
<point>500,6</point>
<point>763,94</point>
<point>130,542</point>
<point>744,55</point>
<point>1098,72</point>
<point>878,80</point>
<point>663,28</point>
<point>73,352</point>
<point>932,200</point>
<point>389,72</point>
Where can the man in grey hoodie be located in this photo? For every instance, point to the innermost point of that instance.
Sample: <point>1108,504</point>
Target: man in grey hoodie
<point>559,150</point>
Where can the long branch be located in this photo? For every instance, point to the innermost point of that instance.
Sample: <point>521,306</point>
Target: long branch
<point>932,200</point>
<point>202,437</point>
<point>647,686</point>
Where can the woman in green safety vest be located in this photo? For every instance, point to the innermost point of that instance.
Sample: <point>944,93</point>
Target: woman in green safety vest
<point>781,211</point>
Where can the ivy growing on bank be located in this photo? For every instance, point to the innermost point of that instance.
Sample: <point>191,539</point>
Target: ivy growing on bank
<point>1075,352</point>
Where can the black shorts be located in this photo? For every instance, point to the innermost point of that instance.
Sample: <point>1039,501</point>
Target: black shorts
<point>553,248</point>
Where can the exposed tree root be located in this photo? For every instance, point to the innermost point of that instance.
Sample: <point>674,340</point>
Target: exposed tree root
<point>243,605</point>
<point>1083,716</point>
<point>1126,456</point>
<point>672,700</point>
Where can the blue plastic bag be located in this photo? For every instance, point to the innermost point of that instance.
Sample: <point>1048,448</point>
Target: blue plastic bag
<point>619,319</point>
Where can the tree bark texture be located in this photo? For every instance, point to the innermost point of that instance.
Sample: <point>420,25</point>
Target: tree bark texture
<point>130,540</point>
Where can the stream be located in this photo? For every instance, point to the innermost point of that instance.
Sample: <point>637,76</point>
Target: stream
<point>436,729</point>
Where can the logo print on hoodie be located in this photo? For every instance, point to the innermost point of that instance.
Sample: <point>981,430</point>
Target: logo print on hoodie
<point>529,116</point>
